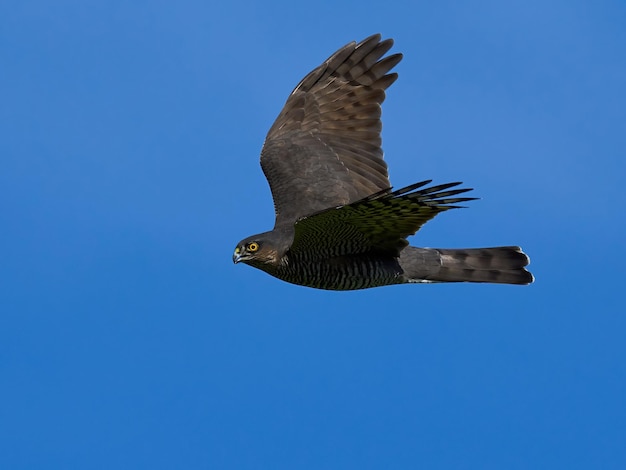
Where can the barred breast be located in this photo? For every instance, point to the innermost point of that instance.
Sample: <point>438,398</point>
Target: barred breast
<point>349,272</point>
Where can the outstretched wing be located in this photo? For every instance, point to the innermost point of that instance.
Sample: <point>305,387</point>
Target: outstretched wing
<point>379,223</point>
<point>324,149</point>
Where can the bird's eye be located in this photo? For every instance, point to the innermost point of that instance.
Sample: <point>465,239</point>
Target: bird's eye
<point>253,246</point>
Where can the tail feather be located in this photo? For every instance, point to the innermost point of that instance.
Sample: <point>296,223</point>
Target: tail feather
<point>503,265</point>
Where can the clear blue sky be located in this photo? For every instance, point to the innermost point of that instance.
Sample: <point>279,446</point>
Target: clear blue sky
<point>130,134</point>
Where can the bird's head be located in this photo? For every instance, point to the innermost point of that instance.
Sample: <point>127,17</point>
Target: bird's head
<point>258,250</point>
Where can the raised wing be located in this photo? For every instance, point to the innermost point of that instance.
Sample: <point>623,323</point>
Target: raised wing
<point>379,223</point>
<point>324,150</point>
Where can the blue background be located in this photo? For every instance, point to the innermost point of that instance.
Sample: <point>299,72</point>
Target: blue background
<point>130,134</point>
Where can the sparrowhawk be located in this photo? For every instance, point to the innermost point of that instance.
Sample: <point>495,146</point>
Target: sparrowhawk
<point>339,225</point>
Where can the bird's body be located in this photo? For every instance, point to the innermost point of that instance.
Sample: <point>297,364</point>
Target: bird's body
<point>339,225</point>
<point>341,272</point>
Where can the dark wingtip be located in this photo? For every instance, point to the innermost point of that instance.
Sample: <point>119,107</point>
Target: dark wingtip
<point>412,187</point>
<point>439,195</point>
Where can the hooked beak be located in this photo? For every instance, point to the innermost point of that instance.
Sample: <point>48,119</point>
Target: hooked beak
<point>237,256</point>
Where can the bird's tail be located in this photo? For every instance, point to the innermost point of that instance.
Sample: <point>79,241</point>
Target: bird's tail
<point>504,265</point>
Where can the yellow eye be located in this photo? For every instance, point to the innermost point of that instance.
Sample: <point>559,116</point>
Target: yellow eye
<point>253,246</point>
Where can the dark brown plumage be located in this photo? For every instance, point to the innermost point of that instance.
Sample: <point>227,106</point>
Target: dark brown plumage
<point>339,225</point>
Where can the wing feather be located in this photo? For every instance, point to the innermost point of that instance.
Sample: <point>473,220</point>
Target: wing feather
<point>379,223</point>
<point>324,149</point>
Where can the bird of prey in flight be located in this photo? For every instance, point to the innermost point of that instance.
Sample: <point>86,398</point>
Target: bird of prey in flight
<point>339,224</point>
